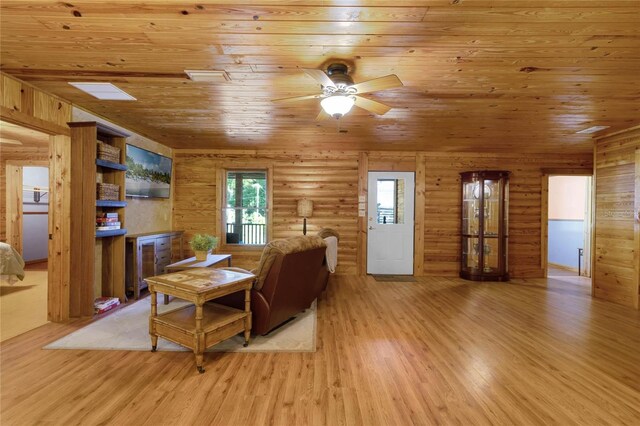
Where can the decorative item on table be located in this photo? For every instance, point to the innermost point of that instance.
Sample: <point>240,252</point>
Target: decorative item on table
<point>305,210</point>
<point>104,304</point>
<point>202,244</point>
<point>107,221</point>
<point>108,153</point>
<point>107,191</point>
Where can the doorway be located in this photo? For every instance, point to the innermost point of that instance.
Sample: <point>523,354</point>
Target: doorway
<point>390,223</point>
<point>569,226</point>
<point>25,201</point>
<point>35,217</point>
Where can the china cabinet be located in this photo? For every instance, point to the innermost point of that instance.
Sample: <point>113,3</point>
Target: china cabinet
<point>485,225</point>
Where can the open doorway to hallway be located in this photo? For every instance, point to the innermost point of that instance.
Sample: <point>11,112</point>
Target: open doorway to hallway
<point>569,227</point>
<point>35,217</point>
<point>24,226</point>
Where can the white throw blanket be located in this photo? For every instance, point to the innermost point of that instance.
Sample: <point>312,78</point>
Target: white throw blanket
<point>11,262</point>
<point>332,253</point>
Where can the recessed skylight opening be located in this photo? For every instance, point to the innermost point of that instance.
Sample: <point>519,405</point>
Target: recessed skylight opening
<point>592,129</point>
<point>104,91</point>
<point>208,75</point>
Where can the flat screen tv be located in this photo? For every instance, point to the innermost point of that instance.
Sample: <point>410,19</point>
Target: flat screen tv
<point>148,174</point>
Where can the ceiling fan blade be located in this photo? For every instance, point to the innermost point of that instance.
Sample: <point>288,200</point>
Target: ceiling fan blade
<point>322,116</point>
<point>371,106</point>
<point>297,98</point>
<point>387,82</point>
<point>319,76</point>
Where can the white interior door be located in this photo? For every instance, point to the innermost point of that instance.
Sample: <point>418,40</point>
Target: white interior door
<point>390,223</point>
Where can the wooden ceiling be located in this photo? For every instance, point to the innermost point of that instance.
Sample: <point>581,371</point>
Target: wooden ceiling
<point>492,75</point>
<point>13,137</point>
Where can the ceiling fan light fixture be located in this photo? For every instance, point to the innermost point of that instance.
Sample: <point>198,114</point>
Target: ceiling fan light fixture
<point>337,105</point>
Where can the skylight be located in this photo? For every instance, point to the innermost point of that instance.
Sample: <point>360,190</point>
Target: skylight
<point>592,129</point>
<point>104,91</point>
<point>208,75</point>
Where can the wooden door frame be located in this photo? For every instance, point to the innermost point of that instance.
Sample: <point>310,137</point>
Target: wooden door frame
<point>544,213</point>
<point>13,188</point>
<point>417,165</point>
<point>58,276</point>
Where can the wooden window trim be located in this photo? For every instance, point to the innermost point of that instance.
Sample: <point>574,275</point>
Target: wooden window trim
<point>221,201</point>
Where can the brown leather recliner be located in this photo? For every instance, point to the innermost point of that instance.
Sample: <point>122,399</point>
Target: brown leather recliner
<point>291,274</point>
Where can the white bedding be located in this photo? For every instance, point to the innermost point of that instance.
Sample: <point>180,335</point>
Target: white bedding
<point>11,263</point>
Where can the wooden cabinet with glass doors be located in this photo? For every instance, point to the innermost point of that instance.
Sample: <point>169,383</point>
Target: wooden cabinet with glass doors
<point>485,225</point>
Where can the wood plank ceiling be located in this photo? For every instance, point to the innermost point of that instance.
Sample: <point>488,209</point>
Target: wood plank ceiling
<point>14,137</point>
<point>493,75</point>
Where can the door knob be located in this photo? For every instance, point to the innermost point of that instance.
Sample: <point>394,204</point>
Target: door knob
<point>370,228</point>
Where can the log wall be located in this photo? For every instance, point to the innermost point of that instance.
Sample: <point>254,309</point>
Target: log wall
<point>331,180</point>
<point>616,271</point>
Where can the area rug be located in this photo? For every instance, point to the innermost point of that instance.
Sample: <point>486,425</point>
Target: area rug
<point>128,330</point>
<point>394,278</point>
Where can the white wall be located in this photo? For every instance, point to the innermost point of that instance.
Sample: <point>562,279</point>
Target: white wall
<point>567,197</point>
<point>35,230</point>
<point>567,205</point>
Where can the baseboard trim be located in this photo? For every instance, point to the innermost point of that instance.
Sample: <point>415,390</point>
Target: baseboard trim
<point>29,262</point>
<point>563,267</point>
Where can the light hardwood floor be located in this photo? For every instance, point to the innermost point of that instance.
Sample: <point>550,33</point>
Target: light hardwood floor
<point>23,304</point>
<point>438,351</point>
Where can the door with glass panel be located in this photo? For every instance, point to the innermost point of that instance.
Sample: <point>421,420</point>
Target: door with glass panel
<point>390,223</point>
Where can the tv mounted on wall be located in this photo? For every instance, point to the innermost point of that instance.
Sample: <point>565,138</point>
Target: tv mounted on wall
<point>148,174</point>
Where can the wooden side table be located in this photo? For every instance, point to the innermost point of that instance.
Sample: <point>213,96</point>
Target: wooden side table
<point>192,263</point>
<point>200,326</point>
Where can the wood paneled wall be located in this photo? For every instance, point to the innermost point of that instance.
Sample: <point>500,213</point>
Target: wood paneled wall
<point>331,180</point>
<point>143,214</point>
<point>616,271</point>
<point>27,106</point>
<point>442,207</point>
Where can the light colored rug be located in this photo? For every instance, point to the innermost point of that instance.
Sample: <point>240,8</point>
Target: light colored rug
<point>128,329</point>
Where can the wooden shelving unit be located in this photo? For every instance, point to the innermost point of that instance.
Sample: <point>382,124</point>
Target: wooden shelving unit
<point>87,170</point>
<point>110,203</point>
<point>111,233</point>
<point>109,165</point>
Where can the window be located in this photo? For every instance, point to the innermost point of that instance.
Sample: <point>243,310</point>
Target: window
<point>245,211</point>
<point>390,193</point>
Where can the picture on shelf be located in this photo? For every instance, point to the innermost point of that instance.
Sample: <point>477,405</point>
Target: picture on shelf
<point>148,174</point>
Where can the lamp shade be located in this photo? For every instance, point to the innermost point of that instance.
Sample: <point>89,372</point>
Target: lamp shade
<point>305,208</point>
<point>337,105</point>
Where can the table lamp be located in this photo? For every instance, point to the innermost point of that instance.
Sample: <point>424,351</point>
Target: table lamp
<point>305,210</point>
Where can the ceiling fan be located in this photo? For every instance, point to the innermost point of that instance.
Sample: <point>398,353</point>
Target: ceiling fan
<point>340,94</point>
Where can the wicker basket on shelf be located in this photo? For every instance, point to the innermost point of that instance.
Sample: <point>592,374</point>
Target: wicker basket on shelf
<point>107,191</point>
<point>108,153</point>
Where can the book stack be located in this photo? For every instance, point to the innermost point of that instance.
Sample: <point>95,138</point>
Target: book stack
<point>104,304</point>
<point>107,221</point>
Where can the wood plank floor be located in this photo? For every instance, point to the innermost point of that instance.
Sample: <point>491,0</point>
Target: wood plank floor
<point>437,351</point>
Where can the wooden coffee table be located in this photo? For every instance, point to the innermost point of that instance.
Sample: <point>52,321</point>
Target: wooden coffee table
<point>192,263</point>
<point>200,326</point>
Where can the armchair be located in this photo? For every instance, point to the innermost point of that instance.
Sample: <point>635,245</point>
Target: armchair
<point>291,273</point>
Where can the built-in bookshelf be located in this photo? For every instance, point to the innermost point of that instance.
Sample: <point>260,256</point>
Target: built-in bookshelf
<point>97,226</point>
